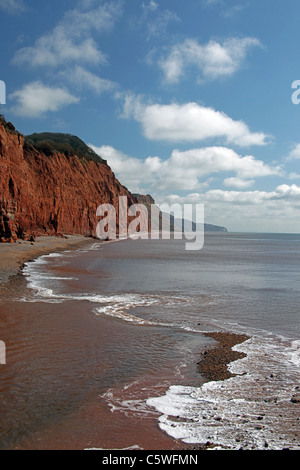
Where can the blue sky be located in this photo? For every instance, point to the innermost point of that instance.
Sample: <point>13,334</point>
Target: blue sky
<point>188,101</point>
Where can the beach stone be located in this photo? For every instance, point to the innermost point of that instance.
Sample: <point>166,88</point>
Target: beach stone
<point>296,398</point>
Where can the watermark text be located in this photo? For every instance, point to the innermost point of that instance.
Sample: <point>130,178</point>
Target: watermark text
<point>136,222</point>
<point>2,92</point>
<point>296,94</point>
<point>2,353</point>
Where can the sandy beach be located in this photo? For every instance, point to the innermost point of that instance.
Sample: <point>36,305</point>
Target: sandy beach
<point>14,255</point>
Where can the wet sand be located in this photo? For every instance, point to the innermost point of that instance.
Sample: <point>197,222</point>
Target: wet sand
<point>14,255</point>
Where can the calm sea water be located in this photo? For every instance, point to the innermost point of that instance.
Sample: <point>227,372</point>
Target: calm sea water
<point>103,346</point>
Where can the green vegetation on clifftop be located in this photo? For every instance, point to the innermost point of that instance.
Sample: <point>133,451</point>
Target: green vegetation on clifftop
<point>49,143</point>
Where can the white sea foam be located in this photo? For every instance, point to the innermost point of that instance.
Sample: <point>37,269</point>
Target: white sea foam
<point>295,353</point>
<point>249,411</point>
<point>119,306</point>
<point>133,447</point>
<point>111,305</point>
<point>128,399</point>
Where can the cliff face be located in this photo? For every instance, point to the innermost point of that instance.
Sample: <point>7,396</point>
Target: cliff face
<point>51,194</point>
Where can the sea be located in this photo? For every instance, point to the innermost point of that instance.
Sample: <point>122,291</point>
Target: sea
<point>103,345</point>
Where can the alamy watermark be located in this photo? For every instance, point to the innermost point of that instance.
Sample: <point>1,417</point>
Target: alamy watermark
<point>296,94</point>
<point>136,222</point>
<point>2,92</point>
<point>2,353</point>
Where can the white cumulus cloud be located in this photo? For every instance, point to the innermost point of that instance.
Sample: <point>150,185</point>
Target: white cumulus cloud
<point>35,99</point>
<point>238,183</point>
<point>71,39</point>
<point>212,60</point>
<point>294,153</point>
<point>188,178</point>
<point>184,170</point>
<point>255,211</point>
<point>83,78</point>
<point>189,122</point>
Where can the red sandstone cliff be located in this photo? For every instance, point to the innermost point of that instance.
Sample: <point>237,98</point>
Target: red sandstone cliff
<point>50,194</point>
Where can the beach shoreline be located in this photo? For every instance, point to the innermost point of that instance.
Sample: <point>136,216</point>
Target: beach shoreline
<point>213,363</point>
<point>214,366</point>
<point>13,256</point>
